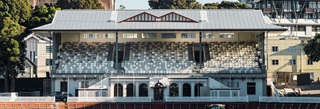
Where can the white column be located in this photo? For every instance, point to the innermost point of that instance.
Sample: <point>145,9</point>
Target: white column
<point>192,89</point>
<point>180,92</point>
<point>151,91</point>
<point>112,89</point>
<point>124,89</point>
<point>137,89</point>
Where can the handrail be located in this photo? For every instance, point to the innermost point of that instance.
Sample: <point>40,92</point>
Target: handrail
<point>206,99</point>
<point>290,99</point>
<point>109,99</point>
<point>27,99</point>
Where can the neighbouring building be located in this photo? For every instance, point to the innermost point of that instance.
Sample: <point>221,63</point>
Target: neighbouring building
<point>285,55</point>
<point>38,56</point>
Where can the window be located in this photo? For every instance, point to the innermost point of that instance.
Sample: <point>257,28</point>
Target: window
<point>131,90</point>
<point>299,28</point>
<point>186,90</point>
<point>168,35</point>
<point>48,62</point>
<point>63,86</point>
<point>292,62</point>
<point>149,35</point>
<point>251,88</point>
<point>48,49</point>
<point>118,90</point>
<point>174,90</point>
<point>207,35</point>
<point>130,35</point>
<point>33,56</point>
<point>90,36</point>
<point>188,35</point>
<point>143,90</point>
<point>275,62</point>
<point>197,89</point>
<point>292,49</point>
<point>226,35</point>
<point>109,35</point>
<point>274,48</point>
<point>309,62</point>
<point>315,28</point>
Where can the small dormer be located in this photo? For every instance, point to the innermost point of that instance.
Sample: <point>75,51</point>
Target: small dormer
<point>113,17</point>
<point>203,16</point>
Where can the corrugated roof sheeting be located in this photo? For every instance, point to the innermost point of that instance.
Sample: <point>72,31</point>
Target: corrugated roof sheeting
<point>100,20</point>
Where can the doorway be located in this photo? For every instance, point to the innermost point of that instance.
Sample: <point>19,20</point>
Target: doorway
<point>158,92</point>
<point>197,56</point>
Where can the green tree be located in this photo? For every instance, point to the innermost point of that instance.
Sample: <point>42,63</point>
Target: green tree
<point>12,48</point>
<point>232,5</point>
<point>41,15</point>
<point>193,4</point>
<point>79,4</point>
<point>312,49</point>
<point>10,51</point>
<point>122,7</point>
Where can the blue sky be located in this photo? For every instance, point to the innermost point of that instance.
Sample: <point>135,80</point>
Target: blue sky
<point>143,4</point>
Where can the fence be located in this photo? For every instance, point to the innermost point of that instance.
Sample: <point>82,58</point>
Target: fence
<point>206,99</point>
<point>109,99</point>
<point>27,99</point>
<point>290,99</point>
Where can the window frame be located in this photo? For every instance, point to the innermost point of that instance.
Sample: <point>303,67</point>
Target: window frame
<point>146,36</point>
<point>174,36</point>
<point>48,49</point>
<point>90,35</point>
<point>275,62</point>
<point>227,35</point>
<point>188,35</point>
<point>207,35</point>
<point>129,35</point>
<point>251,88</point>
<point>309,62</point>
<point>108,35</point>
<point>292,62</point>
<point>48,62</point>
<point>275,48</point>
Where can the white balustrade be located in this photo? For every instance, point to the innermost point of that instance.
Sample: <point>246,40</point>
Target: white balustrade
<point>290,99</point>
<point>27,99</point>
<point>206,99</point>
<point>109,99</point>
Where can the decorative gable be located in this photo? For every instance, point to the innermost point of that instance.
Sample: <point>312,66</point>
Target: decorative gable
<point>170,17</point>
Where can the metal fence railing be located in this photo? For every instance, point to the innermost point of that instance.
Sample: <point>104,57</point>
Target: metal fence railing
<point>27,99</point>
<point>290,99</point>
<point>109,99</point>
<point>206,99</point>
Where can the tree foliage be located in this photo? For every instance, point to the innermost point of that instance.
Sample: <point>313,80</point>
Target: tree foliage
<point>18,10</point>
<point>12,47</point>
<point>79,4</point>
<point>312,49</point>
<point>193,4</point>
<point>41,15</point>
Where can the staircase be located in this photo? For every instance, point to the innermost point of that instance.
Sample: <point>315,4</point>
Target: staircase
<point>99,82</point>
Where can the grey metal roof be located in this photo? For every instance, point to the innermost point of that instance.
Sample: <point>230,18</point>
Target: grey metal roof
<point>109,20</point>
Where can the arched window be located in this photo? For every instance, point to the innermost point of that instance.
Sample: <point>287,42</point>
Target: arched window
<point>197,90</point>
<point>131,90</point>
<point>174,90</point>
<point>186,89</point>
<point>143,90</point>
<point>118,90</point>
